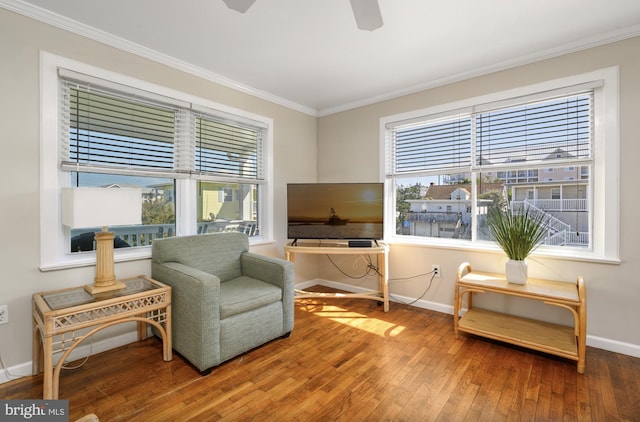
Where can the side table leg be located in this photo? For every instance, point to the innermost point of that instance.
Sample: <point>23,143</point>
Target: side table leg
<point>36,349</point>
<point>47,384</point>
<point>168,347</point>
<point>142,329</point>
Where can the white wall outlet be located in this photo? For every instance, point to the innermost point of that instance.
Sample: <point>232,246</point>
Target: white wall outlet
<point>435,268</point>
<point>4,314</point>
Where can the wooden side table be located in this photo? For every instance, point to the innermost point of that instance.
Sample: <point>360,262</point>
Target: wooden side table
<point>555,339</point>
<point>63,319</point>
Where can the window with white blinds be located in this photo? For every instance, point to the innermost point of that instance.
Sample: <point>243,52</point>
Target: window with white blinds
<point>445,169</point>
<point>200,164</point>
<point>117,135</point>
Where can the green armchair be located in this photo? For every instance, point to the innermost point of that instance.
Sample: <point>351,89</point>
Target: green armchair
<point>225,299</point>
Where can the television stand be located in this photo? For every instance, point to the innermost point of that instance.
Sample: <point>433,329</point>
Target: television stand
<point>380,250</point>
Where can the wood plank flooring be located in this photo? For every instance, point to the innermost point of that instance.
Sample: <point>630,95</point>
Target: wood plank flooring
<point>347,360</point>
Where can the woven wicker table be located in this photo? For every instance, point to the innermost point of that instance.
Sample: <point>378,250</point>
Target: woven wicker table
<point>63,319</point>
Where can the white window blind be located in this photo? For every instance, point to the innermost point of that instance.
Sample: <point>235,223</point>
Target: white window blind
<point>107,129</point>
<point>112,130</point>
<point>434,145</point>
<point>533,133</point>
<point>511,136</point>
<point>228,149</point>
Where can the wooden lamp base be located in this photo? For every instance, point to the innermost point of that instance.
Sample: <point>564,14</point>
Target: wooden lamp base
<point>105,280</point>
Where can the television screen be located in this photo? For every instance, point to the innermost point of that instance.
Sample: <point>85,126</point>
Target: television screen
<point>335,211</point>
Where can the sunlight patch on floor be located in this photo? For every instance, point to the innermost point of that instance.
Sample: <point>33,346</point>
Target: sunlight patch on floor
<point>354,319</point>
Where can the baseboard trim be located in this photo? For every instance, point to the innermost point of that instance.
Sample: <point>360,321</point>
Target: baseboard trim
<point>614,346</point>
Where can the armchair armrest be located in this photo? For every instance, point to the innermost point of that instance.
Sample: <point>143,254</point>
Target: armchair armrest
<point>195,311</point>
<point>271,270</point>
<point>275,271</point>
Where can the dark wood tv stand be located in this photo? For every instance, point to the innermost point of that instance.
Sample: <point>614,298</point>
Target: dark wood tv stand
<point>380,249</point>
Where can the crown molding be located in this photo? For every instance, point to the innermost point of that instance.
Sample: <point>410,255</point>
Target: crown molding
<point>87,31</point>
<point>561,50</point>
<point>111,40</point>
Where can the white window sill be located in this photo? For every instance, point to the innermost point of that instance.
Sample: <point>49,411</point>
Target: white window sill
<point>488,247</point>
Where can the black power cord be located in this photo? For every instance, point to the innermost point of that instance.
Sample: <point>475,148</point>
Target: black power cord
<point>372,269</point>
<point>433,275</point>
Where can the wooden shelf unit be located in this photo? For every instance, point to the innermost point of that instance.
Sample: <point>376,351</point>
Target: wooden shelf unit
<point>381,251</point>
<point>555,339</point>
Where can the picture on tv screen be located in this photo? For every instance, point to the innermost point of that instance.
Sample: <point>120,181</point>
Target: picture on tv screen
<point>335,211</point>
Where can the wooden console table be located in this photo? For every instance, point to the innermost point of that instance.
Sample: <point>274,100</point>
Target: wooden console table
<point>62,319</point>
<point>560,340</point>
<point>381,251</point>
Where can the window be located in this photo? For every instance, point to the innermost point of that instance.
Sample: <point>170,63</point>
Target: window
<point>553,128</point>
<point>229,166</point>
<point>107,139</point>
<point>201,166</point>
<point>227,194</point>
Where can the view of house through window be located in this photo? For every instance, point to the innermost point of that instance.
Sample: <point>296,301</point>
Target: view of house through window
<point>450,171</point>
<point>227,207</point>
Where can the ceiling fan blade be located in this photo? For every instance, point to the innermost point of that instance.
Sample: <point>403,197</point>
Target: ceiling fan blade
<point>367,14</point>
<point>239,5</point>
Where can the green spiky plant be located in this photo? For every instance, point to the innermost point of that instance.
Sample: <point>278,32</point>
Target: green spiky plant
<point>518,233</point>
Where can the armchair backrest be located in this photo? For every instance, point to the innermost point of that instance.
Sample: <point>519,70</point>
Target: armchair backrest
<point>214,253</point>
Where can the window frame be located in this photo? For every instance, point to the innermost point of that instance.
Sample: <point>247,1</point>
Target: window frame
<point>53,237</point>
<point>604,213</point>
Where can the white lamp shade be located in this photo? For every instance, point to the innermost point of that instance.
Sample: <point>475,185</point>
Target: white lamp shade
<point>99,207</point>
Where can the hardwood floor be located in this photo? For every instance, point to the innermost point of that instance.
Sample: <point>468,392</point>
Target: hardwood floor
<point>348,360</point>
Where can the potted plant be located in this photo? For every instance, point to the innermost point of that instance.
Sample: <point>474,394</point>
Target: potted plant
<point>518,233</point>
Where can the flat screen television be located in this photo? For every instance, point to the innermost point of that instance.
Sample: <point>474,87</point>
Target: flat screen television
<point>349,211</point>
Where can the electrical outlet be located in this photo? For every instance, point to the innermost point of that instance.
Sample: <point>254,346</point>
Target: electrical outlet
<point>4,314</point>
<point>436,270</point>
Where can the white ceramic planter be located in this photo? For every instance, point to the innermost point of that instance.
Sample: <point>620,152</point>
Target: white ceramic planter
<point>516,271</point>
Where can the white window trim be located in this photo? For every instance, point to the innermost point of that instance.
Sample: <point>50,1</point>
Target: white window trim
<point>52,238</point>
<point>605,185</point>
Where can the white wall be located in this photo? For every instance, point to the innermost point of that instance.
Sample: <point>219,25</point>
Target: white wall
<point>21,40</point>
<point>612,289</point>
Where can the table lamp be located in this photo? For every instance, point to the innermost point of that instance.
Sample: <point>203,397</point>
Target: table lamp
<point>94,207</point>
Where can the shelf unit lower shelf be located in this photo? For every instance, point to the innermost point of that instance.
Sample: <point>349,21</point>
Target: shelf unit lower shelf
<point>537,335</point>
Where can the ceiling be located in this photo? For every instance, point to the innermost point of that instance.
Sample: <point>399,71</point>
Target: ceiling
<point>309,54</point>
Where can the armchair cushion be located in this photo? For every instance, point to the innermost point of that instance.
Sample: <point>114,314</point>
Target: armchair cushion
<point>236,300</point>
